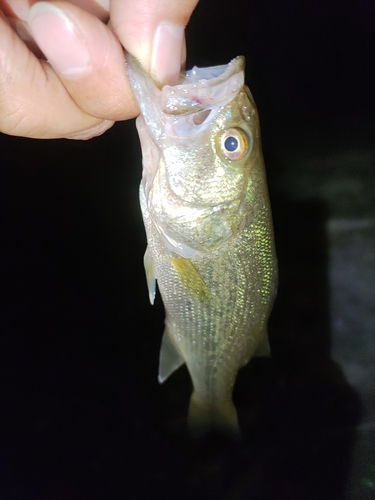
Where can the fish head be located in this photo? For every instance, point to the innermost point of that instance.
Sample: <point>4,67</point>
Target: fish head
<point>200,140</point>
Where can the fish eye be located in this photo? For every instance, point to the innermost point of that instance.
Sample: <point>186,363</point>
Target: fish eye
<point>234,144</point>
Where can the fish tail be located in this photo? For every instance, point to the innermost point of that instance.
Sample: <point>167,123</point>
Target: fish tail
<point>203,418</point>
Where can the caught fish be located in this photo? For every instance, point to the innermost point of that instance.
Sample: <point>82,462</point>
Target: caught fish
<point>208,222</point>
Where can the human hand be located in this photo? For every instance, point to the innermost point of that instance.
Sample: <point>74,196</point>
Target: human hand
<point>83,88</point>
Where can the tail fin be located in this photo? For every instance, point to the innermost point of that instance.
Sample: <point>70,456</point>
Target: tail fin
<point>202,418</point>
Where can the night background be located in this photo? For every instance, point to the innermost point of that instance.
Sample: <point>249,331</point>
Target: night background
<point>82,414</point>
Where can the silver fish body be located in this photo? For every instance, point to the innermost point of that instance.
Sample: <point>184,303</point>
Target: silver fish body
<point>206,210</point>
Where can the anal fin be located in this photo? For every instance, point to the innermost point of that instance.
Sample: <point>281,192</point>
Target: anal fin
<point>170,359</point>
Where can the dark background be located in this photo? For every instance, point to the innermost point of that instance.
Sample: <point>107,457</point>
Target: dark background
<point>83,416</point>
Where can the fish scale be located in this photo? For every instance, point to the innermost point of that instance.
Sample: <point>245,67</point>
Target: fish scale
<point>209,230</point>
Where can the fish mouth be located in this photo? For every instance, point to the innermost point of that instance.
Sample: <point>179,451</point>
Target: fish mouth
<point>197,89</point>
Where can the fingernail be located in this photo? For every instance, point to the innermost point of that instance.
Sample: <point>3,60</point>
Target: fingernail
<point>57,38</point>
<point>167,53</point>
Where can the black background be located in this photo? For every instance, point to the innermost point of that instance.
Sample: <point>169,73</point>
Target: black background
<point>83,416</point>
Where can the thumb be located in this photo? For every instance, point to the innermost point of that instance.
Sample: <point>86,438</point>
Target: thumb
<point>154,32</point>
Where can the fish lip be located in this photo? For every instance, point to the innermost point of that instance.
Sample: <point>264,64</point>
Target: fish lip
<point>195,74</point>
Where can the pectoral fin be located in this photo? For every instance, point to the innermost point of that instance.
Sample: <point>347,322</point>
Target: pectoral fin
<point>170,359</point>
<point>148,262</point>
<point>191,279</point>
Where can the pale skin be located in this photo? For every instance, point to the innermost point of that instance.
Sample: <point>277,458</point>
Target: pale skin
<point>62,66</point>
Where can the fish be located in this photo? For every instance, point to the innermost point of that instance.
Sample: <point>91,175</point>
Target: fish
<point>210,242</point>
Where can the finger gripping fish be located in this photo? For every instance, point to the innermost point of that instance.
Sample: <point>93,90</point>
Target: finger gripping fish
<point>208,222</point>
